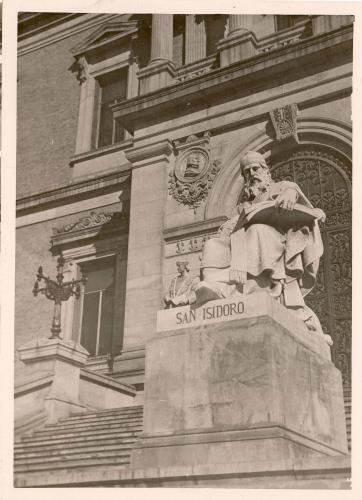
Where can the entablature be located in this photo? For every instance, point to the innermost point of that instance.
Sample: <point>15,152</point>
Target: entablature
<point>315,53</point>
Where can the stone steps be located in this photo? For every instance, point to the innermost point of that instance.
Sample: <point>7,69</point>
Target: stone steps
<point>75,443</point>
<point>79,455</point>
<point>95,421</point>
<point>85,431</point>
<point>81,435</point>
<point>133,410</point>
<point>86,441</point>
<point>72,464</point>
<point>348,413</point>
<point>46,451</point>
<point>92,425</point>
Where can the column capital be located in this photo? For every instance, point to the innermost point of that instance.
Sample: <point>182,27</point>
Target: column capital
<point>138,156</point>
<point>238,47</point>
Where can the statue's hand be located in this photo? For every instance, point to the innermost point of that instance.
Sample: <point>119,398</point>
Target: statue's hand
<point>287,199</point>
<point>180,300</point>
<point>167,300</point>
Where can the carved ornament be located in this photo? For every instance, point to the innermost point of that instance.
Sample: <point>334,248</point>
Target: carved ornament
<point>92,220</point>
<point>284,121</point>
<point>192,178</point>
<point>193,189</point>
<point>82,68</point>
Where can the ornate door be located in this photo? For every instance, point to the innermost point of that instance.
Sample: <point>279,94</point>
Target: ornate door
<point>325,178</point>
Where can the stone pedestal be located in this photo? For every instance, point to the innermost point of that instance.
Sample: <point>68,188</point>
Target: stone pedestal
<point>62,360</point>
<point>238,46</point>
<point>157,75</point>
<point>238,380</point>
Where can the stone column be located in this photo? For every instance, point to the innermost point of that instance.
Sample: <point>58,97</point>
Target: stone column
<point>238,23</point>
<point>160,71</point>
<point>240,42</point>
<point>162,34</point>
<point>323,24</point>
<point>195,44</point>
<point>144,288</point>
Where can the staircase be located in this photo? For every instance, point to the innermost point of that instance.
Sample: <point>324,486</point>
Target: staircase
<point>347,392</point>
<point>85,441</point>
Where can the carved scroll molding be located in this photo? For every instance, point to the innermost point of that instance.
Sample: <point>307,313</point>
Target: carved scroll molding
<point>101,224</point>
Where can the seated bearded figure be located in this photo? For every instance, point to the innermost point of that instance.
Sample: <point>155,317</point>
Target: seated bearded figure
<point>248,257</point>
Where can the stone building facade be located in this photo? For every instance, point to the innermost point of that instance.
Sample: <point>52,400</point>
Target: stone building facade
<point>130,133</point>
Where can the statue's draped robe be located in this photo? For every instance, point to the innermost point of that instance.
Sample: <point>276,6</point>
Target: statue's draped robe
<point>180,289</point>
<point>263,254</point>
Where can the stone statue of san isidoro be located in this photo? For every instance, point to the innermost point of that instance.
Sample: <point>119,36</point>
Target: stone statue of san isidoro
<point>273,244</point>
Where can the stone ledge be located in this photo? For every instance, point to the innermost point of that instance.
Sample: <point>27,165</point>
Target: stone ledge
<point>44,380</point>
<point>46,349</point>
<point>88,155</point>
<point>209,226</point>
<point>69,193</point>
<point>335,471</point>
<point>231,435</point>
<point>107,382</point>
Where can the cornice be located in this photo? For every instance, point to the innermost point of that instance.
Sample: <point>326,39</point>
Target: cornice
<point>70,193</point>
<point>95,41</point>
<point>188,230</point>
<point>88,155</point>
<point>73,27</point>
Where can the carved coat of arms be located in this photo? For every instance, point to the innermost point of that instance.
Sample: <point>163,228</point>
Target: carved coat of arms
<point>194,172</point>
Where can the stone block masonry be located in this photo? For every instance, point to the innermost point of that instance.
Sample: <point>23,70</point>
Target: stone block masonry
<point>247,389</point>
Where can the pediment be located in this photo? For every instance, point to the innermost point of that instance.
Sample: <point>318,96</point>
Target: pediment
<point>106,34</point>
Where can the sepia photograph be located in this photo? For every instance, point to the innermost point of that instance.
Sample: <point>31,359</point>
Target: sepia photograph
<point>183,269</point>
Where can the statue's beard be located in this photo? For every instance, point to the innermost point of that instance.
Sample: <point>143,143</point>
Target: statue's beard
<point>256,186</point>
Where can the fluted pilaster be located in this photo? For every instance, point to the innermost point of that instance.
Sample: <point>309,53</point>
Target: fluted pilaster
<point>238,23</point>
<point>195,46</point>
<point>162,37</point>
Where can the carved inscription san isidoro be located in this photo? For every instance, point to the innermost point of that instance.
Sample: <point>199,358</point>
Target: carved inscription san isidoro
<point>212,312</point>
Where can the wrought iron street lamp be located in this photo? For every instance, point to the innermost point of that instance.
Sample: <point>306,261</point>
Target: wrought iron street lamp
<point>59,291</point>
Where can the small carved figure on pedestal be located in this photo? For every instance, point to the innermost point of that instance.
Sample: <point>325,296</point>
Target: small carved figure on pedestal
<point>181,289</point>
